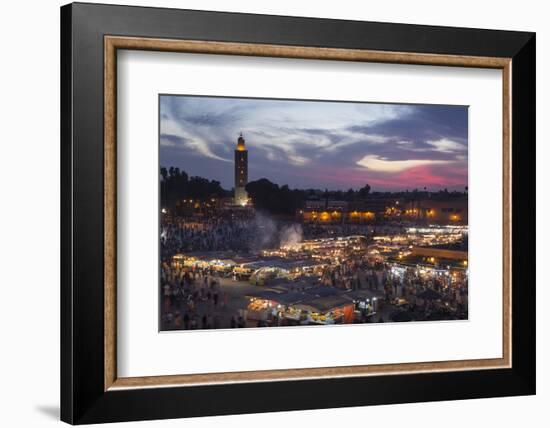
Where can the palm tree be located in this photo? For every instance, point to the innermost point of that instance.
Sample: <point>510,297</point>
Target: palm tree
<point>163,173</point>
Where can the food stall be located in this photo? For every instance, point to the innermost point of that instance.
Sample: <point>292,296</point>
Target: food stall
<point>261,304</point>
<point>335,309</point>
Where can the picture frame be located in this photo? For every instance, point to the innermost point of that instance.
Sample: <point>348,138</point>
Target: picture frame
<point>91,391</point>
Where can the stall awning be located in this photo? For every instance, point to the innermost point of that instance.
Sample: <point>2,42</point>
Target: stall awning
<point>324,304</point>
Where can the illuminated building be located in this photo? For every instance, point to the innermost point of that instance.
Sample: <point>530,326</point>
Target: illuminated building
<point>445,211</point>
<point>241,172</point>
<point>336,212</point>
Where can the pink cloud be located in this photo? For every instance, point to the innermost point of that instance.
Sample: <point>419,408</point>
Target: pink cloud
<point>434,177</point>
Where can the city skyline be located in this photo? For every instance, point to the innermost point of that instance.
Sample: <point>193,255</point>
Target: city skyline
<point>318,144</point>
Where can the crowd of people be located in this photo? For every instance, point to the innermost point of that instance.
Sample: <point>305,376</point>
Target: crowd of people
<point>213,234</point>
<point>192,297</point>
<point>401,281</point>
<point>316,230</point>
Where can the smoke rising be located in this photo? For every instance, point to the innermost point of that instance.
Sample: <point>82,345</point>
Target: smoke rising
<point>266,235</point>
<point>270,234</point>
<point>291,235</point>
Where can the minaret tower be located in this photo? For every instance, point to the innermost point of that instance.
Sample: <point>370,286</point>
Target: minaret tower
<point>241,172</point>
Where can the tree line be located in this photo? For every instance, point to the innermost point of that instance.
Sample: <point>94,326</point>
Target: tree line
<point>176,185</point>
<point>268,196</point>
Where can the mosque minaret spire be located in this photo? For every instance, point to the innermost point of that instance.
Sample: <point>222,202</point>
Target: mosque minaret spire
<point>241,172</point>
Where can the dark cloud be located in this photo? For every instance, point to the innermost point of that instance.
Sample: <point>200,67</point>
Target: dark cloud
<point>425,123</point>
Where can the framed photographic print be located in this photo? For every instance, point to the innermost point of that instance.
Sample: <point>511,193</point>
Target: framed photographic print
<point>274,213</point>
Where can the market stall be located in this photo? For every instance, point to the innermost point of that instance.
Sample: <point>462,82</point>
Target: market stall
<point>335,309</point>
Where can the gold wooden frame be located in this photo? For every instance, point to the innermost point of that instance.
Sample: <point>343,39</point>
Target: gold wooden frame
<point>113,43</point>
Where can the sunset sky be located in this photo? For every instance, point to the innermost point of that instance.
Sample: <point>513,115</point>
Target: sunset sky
<point>318,144</point>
